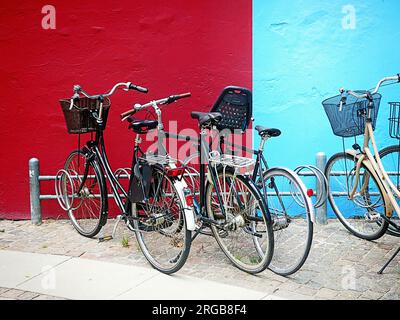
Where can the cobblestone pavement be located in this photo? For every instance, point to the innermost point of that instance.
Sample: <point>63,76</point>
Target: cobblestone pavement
<point>14,294</point>
<point>340,266</point>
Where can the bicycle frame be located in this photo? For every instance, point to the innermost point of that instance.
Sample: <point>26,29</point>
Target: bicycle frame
<point>260,167</point>
<point>200,208</point>
<point>374,164</point>
<point>97,148</point>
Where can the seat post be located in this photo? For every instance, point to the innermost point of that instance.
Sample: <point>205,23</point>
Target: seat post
<point>262,143</point>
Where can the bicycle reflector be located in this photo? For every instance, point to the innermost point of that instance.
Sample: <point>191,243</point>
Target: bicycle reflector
<point>174,172</point>
<point>310,192</point>
<point>188,197</point>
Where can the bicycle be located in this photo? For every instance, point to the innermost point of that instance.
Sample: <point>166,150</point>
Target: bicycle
<point>288,204</point>
<point>228,202</point>
<point>155,205</point>
<point>231,205</point>
<point>366,190</point>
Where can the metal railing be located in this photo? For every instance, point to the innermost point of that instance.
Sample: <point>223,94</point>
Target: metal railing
<point>36,197</point>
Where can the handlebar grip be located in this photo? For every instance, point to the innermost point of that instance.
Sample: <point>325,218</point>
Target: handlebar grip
<point>184,95</point>
<point>177,97</point>
<point>127,114</point>
<point>138,88</point>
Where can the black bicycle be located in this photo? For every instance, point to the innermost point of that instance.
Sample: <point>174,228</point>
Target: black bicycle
<point>227,201</point>
<point>154,205</point>
<point>288,205</point>
<point>230,204</point>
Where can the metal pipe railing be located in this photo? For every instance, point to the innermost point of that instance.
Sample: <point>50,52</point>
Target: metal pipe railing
<point>35,197</point>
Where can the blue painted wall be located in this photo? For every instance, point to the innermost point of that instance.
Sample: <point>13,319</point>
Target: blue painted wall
<point>303,55</point>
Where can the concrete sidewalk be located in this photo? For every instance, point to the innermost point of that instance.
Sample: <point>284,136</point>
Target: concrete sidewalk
<point>78,278</point>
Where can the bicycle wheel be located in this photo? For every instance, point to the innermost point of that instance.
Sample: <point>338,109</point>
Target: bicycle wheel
<point>89,211</point>
<point>362,215</point>
<point>247,240</point>
<point>160,224</point>
<point>391,162</point>
<point>290,209</point>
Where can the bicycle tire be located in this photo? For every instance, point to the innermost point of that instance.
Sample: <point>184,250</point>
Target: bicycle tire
<point>248,258</point>
<point>86,194</point>
<point>292,243</point>
<point>375,233</point>
<point>151,245</point>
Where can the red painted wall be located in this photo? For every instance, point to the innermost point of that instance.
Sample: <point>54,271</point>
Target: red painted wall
<point>168,46</point>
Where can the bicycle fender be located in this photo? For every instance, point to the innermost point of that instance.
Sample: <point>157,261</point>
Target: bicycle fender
<point>188,211</point>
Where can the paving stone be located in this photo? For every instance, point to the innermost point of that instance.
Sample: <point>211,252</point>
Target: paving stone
<point>289,286</point>
<point>308,291</point>
<point>2,290</point>
<point>391,295</point>
<point>44,297</point>
<point>372,295</point>
<point>12,293</point>
<point>28,295</point>
<point>326,293</point>
<point>348,295</point>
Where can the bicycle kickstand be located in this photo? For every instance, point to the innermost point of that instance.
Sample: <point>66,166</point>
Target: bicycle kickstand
<point>389,261</point>
<point>112,236</point>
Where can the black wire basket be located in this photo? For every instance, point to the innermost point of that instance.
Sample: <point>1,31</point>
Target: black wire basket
<point>394,120</point>
<point>349,121</point>
<point>79,119</point>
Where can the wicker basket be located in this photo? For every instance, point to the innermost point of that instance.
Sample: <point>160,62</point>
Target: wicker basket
<point>79,119</point>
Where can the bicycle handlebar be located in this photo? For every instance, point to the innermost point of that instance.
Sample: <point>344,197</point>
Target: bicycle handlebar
<point>128,86</point>
<point>138,88</point>
<point>154,104</point>
<point>344,93</point>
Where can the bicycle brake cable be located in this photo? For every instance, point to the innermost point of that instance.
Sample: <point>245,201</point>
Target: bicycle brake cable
<point>385,85</point>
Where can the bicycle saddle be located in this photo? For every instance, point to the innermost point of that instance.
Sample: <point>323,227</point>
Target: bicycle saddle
<point>206,119</point>
<point>142,126</point>
<point>265,132</point>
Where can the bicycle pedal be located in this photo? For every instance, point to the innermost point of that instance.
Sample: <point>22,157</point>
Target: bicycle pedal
<point>105,238</point>
<point>372,216</point>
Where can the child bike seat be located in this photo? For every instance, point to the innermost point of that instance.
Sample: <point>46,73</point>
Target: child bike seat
<point>235,105</point>
<point>265,132</point>
<point>142,126</point>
